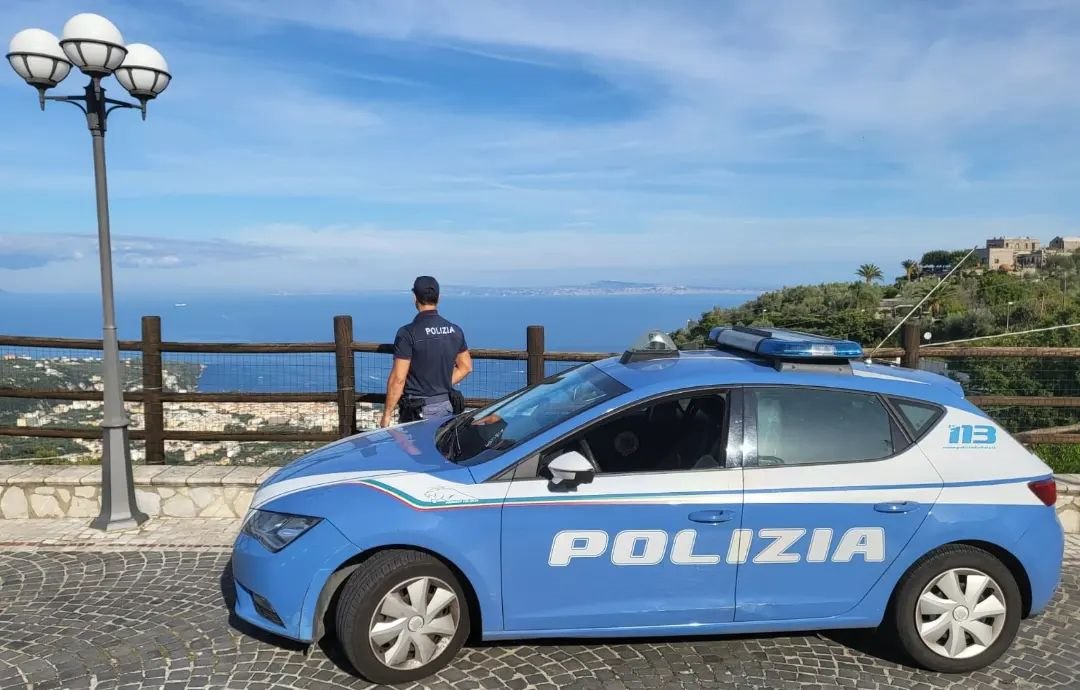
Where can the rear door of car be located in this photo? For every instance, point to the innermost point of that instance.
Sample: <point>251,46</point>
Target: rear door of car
<point>834,490</point>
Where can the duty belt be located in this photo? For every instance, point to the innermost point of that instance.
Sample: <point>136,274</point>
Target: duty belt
<point>430,400</point>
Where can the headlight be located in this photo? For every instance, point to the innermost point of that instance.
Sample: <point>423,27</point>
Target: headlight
<point>275,531</point>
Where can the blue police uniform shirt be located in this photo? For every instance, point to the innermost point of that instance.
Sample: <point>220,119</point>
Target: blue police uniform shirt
<point>431,343</point>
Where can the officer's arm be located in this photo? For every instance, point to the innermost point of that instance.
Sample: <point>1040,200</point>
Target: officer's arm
<point>462,367</point>
<point>395,387</point>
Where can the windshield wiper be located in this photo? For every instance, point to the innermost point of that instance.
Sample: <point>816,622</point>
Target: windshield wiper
<point>449,443</point>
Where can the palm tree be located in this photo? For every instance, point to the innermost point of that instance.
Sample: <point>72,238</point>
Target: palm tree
<point>869,273</point>
<point>911,268</point>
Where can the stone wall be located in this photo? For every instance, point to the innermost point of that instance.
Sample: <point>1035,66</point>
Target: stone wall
<point>172,491</point>
<point>220,491</point>
<point>1068,502</point>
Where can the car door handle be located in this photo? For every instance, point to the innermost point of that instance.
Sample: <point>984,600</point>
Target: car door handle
<point>896,506</point>
<point>712,517</point>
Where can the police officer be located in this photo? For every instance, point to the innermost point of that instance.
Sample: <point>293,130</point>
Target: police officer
<point>430,358</point>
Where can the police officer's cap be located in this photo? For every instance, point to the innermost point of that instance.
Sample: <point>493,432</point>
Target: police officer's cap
<point>426,289</point>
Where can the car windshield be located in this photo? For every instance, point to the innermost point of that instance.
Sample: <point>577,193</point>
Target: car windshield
<point>520,416</point>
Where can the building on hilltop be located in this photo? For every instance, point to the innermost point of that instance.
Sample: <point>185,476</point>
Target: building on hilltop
<point>1019,244</point>
<point>1036,259</point>
<point>997,258</point>
<point>1064,244</point>
<point>1023,253</point>
<point>1009,253</point>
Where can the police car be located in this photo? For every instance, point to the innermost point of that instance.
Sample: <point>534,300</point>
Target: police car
<point>773,482</point>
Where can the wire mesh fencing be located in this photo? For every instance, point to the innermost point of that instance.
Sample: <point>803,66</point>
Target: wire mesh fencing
<point>288,372</point>
<point>552,368</point>
<point>1035,377</point>
<point>269,417</point>
<point>490,378</point>
<point>47,368</point>
<point>260,453</point>
<point>66,451</point>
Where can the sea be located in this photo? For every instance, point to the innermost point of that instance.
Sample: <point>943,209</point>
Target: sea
<point>585,323</point>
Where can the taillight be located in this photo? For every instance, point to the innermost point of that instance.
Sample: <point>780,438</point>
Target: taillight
<point>1045,490</point>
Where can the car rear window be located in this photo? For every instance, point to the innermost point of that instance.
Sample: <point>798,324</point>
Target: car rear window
<point>919,417</point>
<point>800,426</point>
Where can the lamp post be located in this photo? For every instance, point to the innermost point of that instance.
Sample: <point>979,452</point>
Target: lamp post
<point>94,45</point>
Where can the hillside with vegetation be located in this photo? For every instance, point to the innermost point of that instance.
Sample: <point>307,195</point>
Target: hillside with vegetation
<point>974,302</point>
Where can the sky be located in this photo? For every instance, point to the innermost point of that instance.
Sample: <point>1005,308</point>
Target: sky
<point>337,146</point>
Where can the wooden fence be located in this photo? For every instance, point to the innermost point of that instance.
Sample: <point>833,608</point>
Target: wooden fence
<point>152,396</point>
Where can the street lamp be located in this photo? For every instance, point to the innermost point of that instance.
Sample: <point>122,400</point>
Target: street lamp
<point>94,45</point>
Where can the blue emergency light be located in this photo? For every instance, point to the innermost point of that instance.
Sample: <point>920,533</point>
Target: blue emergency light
<point>781,343</point>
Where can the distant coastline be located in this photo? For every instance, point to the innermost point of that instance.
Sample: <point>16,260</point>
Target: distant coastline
<point>600,288</point>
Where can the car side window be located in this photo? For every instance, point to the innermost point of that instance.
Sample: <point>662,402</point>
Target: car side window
<point>804,426</point>
<point>918,416</point>
<point>668,435</point>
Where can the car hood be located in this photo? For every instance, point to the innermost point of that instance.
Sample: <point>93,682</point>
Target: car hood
<point>406,448</point>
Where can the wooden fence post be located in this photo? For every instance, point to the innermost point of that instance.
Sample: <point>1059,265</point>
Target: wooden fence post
<point>910,341</point>
<point>534,348</point>
<point>346,375</point>
<point>153,412</point>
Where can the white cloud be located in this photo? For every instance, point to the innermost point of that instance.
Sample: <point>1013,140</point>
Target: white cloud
<point>684,248</point>
<point>857,117</point>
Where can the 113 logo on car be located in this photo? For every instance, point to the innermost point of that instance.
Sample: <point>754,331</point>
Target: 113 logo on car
<point>971,436</point>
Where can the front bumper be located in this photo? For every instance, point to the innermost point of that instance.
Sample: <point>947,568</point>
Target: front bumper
<point>287,584</point>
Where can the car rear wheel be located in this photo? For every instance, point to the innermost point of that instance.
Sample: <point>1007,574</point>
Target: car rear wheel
<point>957,610</point>
<point>402,616</point>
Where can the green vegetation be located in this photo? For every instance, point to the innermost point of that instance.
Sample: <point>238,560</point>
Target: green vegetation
<point>1062,458</point>
<point>67,371</point>
<point>41,449</point>
<point>911,268</point>
<point>870,273</point>
<point>975,302</point>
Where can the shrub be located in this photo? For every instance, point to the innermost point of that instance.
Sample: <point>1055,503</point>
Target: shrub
<point>1062,457</point>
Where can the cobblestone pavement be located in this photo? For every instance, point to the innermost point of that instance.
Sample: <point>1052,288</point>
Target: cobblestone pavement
<point>156,534</point>
<point>151,616</point>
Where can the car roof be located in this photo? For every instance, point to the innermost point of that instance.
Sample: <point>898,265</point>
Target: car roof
<point>697,368</point>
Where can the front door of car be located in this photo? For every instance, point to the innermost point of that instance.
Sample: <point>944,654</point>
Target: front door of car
<point>834,491</point>
<point>645,542</point>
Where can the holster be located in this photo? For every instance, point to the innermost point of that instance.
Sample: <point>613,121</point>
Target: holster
<point>457,401</point>
<point>409,411</point>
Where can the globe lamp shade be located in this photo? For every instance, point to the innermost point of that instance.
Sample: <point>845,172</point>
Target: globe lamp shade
<point>93,44</point>
<point>144,72</point>
<point>35,55</point>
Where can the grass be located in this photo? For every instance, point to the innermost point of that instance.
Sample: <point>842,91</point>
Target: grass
<point>1062,457</point>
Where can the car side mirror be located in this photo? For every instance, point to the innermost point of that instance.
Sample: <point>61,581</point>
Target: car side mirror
<point>568,470</point>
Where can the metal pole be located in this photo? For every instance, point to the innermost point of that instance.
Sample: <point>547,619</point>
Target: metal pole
<point>118,507</point>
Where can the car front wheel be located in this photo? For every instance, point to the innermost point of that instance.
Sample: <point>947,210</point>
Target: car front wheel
<point>957,610</point>
<point>402,616</point>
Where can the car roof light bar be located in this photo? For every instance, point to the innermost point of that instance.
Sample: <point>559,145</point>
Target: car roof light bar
<point>780,343</point>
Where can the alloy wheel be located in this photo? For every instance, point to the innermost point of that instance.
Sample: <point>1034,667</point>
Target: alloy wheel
<point>960,613</point>
<point>414,623</point>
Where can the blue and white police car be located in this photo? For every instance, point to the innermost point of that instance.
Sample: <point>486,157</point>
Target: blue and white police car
<point>775,482</point>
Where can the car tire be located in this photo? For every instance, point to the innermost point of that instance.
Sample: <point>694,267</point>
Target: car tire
<point>402,616</point>
<point>935,615</point>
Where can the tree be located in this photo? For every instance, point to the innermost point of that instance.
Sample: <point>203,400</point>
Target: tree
<point>869,273</point>
<point>943,258</point>
<point>945,299</point>
<point>911,268</point>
